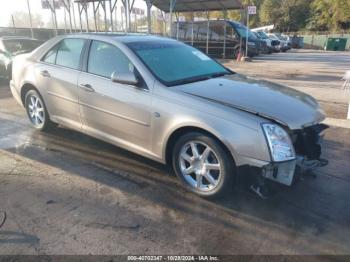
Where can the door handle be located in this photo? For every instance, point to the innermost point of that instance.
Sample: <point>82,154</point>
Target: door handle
<point>45,73</point>
<point>87,88</point>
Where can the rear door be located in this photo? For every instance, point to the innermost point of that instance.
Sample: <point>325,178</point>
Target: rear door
<point>58,75</point>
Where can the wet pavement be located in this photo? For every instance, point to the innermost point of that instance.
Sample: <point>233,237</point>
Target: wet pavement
<point>67,193</point>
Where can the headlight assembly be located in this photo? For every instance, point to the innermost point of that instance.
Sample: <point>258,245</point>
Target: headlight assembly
<point>281,147</point>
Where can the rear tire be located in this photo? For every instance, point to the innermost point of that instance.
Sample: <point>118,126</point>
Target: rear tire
<point>203,165</point>
<point>37,112</point>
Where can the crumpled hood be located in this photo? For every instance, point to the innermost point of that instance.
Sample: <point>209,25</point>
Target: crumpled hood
<point>282,104</point>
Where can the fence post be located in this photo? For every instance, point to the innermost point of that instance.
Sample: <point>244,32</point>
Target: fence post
<point>75,24</point>
<point>225,34</point>
<point>149,16</point>
<point>192,30</point>
<point>208,28</point>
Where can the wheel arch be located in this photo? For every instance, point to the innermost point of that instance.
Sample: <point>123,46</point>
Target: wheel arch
<point>177,133</point>
<point>25,88</point>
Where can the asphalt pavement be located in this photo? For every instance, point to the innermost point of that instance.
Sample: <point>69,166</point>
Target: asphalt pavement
<point>67,193</point>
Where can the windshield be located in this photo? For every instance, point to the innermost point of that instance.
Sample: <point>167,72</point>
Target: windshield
<point>242,30</point>
<point>257,35</point>
<point>15,46</point>
<point>262,35</point>
<point>175,63</point>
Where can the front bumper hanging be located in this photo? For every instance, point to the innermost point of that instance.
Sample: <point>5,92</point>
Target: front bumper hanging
<point>307,146</point>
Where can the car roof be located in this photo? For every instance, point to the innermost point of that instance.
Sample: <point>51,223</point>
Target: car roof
<point>121,37</point>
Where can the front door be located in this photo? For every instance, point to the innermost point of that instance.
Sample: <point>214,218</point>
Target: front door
<point>115,112</point>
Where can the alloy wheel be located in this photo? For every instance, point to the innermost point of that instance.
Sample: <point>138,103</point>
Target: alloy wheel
<point>36,111</point>
<point>200,166</point>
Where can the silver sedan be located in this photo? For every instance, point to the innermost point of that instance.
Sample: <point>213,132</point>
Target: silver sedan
<point>169,102</point>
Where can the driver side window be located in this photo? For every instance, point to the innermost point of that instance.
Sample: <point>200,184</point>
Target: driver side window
<point>104,59</point>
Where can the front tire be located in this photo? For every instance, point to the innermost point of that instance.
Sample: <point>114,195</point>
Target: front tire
<point>36,111</point>
<point>203,165</point>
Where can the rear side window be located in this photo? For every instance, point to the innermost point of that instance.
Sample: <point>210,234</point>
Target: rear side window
<point>66,53</point>
<point>69,52</point>
<point>104,59</point>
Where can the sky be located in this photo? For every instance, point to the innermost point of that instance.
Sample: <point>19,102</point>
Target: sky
<point>10,6</point>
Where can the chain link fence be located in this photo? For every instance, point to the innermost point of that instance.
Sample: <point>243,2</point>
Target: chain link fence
<point>318,40</point>
<point>39,33</point>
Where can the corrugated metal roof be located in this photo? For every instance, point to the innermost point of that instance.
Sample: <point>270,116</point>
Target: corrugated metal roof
<point>198,5</point>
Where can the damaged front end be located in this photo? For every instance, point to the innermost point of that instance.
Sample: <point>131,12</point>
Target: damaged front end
<point>306,143</point>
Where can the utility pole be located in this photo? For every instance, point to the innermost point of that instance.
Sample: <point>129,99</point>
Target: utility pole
<point>30,20</point>
<point>172,6</point>
<point>251,10</point>
<point>13,23</point>
<point>149,16</point>
<point>75,25</point>
<point>94,9</point>
<point>65,21</point>
<point>127,16</point>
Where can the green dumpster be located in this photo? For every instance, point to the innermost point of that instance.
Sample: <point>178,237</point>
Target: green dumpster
<point>336,44</point>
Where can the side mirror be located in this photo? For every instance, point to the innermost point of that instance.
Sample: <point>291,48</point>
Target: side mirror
<point>125,78</point>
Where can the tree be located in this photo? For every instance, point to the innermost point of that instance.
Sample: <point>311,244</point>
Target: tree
<point>295,14</point>
<point>330,15</point>
<point>286,15</point>
<point>270,12</point>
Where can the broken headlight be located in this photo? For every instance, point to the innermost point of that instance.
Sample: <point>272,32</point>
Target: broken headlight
<point>281,147</point>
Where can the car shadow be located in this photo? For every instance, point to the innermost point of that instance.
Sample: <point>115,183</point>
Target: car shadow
<point>303,207</point>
